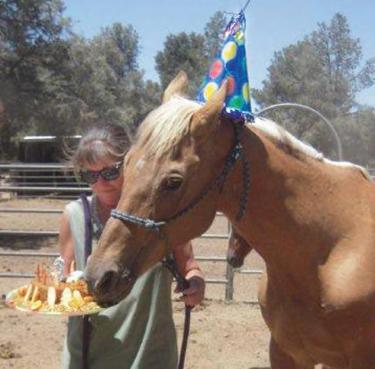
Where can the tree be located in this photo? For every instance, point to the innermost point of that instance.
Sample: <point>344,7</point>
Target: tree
<point>214,34</point>
<point>182,52</point>
<point>322,71</point>
<point>133,97</point>
<point>192,53</point>
<point>56,83</point>
<point>357,130</point>
<point>340,57</point>
<point>107,80</point>
<point>32,48</point>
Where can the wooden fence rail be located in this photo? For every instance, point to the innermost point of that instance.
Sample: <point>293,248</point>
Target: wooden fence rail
<point>19,178</point>
<point>227,281</point>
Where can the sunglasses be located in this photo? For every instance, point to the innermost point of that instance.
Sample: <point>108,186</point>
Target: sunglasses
<point>108,173</point>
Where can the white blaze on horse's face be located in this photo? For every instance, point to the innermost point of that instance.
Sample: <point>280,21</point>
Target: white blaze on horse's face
<point>168,168</point>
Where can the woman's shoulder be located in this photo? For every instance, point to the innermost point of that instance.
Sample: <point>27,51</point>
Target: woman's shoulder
<point>75,206</point>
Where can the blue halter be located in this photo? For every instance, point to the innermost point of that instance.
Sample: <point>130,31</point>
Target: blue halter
<point>235,154</point>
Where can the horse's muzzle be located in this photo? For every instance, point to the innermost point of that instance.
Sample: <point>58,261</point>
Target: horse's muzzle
<point>111,287</point>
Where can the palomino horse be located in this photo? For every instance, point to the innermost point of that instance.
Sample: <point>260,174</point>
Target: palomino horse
<point>238,249</point>
<point>312,221</point>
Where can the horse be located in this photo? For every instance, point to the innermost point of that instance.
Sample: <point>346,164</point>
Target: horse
<point>238,249</point>
<point>311,219</point>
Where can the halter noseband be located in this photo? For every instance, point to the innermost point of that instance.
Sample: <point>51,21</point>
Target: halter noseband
<point>237,152</point>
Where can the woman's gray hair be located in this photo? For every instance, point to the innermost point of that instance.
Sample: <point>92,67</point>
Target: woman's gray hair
<point>104,142</point>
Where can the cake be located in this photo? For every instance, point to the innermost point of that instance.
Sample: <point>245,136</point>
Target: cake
<point>45,293</point>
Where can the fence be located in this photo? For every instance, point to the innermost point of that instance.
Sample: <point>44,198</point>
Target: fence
<point>227,280</point>
<point>53,180</point>
<point>21,179</point>
<point>53,172</point>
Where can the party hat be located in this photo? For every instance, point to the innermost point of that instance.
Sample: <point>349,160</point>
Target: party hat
<point>230,64</point>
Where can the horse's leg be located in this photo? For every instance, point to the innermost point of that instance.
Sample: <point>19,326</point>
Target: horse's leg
<point>279,359</point>
<point>363,359</point>
<point>238,249</point>
<point>363,355</point>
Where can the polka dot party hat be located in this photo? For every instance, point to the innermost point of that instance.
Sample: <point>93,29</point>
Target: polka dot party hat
<point>230,64</point>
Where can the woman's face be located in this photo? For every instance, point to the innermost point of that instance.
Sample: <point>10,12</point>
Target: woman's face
<point>109,178</point>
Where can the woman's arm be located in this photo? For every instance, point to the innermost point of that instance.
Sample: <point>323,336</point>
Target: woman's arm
<point>66,244</point>
<point>189,268</point>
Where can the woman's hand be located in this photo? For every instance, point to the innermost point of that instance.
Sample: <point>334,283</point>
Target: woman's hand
<point>194,294</point>
<point>189,268</point>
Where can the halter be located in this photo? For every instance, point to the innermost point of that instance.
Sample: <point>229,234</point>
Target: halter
<point>236,153</point>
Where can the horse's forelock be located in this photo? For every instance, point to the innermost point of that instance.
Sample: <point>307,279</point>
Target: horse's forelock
<point>166,126</point>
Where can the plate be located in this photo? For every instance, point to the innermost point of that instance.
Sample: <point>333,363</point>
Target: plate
<point>13,301</point>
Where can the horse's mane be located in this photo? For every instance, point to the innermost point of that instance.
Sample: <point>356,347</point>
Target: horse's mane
<point>296,147</point>
<point>168,124</point>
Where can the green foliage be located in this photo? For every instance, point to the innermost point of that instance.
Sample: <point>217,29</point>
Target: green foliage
<point>213,34</point>
<point>323,71</point>
<point>108,80</point>
<point>56,83</point>
<point>53,82</point>
<point>120,46</point>
<point>182,52</point>
<point>32,48</point>
<point>191,53</point>
<point>358,135</point>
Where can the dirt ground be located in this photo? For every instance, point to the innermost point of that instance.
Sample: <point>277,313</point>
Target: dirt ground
<point>224,335</point>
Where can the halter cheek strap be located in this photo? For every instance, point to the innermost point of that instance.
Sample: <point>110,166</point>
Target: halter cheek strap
<point>234,155</point>
<point>86,325</point>
<point>144,222</point>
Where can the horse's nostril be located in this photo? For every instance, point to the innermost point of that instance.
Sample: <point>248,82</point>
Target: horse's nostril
<point>107,281</point>
<point>126,275</point>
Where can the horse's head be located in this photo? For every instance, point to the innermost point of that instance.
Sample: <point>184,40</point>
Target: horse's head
<point>178,153</point>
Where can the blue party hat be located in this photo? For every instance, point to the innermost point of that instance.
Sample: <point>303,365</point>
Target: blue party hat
<point>230,64</point>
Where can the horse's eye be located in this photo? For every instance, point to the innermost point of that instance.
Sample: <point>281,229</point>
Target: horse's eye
<point>173,183</point>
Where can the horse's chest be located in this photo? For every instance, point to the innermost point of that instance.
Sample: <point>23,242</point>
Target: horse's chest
<point>299,331</point>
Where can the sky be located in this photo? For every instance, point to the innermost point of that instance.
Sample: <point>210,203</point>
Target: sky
<point>271,25</point>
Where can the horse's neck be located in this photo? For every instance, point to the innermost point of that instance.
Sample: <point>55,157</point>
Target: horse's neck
<point>271,222</point>
<point>311,221</point>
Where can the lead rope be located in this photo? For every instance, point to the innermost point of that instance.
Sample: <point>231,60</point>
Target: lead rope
<point>182,284</point>
<point>156,226</point>
<point>86,326</point>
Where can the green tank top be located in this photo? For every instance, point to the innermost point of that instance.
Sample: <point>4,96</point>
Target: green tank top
<point>137,333</point>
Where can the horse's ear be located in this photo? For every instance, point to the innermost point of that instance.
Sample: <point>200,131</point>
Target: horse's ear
<point>176,86</point>
<point>205,119</point>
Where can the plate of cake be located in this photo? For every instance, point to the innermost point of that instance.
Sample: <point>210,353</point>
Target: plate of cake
<point>46,294</point>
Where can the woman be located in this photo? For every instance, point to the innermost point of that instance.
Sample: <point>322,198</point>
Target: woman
<point>137,333</point>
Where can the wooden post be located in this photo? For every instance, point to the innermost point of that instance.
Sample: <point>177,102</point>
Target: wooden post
<point>229,288</point>
<point>229,285</point>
